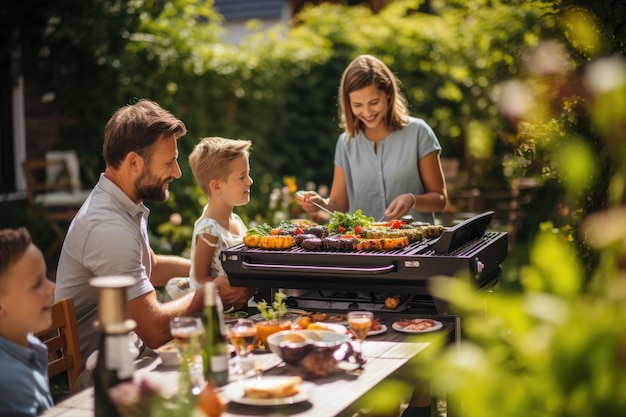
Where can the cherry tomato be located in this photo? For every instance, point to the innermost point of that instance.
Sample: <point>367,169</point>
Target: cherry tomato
<point>358,229</point>
<point>298,231</point>
<point>395,224</point>
<point>341,229</point>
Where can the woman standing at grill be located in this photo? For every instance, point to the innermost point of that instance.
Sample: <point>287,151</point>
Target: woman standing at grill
<point>386,162</point>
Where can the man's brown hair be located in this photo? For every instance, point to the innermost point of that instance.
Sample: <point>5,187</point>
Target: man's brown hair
<point>135,128</point>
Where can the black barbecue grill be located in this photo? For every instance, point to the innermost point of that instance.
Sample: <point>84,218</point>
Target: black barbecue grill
<point>466,248</point>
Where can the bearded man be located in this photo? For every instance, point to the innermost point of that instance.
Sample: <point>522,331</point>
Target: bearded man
<point>109,235</point>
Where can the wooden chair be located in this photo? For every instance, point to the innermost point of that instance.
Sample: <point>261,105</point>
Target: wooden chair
<point>62,341</point>
<point>51,191</point>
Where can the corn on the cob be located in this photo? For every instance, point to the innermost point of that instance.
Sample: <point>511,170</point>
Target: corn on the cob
<point>392,301</point>
<point>385,244</point>
<point>413,234</point>
<point>252,241</point>
<point>277,242</point>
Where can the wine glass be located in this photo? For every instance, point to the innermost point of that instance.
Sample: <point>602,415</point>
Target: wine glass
<point>360,323</point>
<point>243,336</point>
<point>187,332</point>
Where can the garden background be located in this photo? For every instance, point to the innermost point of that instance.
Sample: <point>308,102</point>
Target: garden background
<point>513,88</point>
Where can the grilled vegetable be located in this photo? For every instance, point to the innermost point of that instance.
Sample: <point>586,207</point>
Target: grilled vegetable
<point>260,230</point>
<point>413,234</point>
<point>432,232</point>
<point>392,301</point>
<point>252,241</point>
<point>277,242</point>
<point>381,245</point>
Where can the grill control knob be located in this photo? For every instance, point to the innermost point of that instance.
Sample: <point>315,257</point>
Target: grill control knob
<point>479,267</point>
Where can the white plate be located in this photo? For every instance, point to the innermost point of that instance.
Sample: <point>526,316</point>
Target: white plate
<point>233,316</point>
<point>438,325</point>
<point>259,316</point>
<point>235,391</point>
<point>339,328</point>
<point>383,329</point>
<point>337,318</point>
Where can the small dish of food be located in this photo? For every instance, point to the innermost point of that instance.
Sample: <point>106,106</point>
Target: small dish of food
<point>417,325</point>
<point>269,390</point>
<point>169,354</point>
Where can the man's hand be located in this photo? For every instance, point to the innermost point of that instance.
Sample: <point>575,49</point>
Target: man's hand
<point>236,297</point>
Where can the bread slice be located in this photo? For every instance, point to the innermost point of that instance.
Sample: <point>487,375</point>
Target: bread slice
<point>273,388</point>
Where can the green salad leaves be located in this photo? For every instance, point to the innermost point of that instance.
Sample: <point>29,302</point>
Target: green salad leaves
<point>345,221</point>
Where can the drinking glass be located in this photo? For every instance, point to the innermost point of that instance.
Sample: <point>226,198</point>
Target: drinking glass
<point>243,336</point>
<point>293,316</point>
<point>187,332</point>
<point>360,323</point>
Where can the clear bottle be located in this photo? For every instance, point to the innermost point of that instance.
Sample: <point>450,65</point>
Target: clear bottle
<point>215,351</point>
<point>116,352</point>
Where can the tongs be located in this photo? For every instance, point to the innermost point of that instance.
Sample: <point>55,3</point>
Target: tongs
<point>319,206</point>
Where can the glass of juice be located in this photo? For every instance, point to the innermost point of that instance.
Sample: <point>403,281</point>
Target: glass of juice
<point>360,323</point>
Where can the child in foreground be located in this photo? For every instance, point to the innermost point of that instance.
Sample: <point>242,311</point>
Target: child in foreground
<point>26,297</point>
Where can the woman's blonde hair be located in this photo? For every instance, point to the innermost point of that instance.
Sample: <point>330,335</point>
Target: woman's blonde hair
<point>363,71</point>
<point>211,158</point>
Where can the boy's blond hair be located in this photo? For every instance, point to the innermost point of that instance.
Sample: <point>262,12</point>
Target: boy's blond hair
<point>211,158</point>
<point>13,245</point>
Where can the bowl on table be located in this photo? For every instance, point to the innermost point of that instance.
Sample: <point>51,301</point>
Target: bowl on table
<point>169,354</point>
<point>316,353</point>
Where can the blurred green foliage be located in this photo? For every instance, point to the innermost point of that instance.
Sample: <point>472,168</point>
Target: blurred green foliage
<point>513,88</point>
<point>556,346</point>
<point>278,88</point>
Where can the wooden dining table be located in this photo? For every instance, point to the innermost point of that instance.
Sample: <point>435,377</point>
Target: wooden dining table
<point>334,395</point>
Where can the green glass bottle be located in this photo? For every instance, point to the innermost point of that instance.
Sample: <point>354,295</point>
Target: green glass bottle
<point>215,351</point>
<point>116,352</point>
<point>114,366</point>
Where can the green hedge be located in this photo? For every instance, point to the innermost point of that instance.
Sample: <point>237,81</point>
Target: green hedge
<point>278,88</point>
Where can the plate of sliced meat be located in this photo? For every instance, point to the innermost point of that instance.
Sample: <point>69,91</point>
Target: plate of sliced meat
<point>381,328</point>
<point>417,325</point>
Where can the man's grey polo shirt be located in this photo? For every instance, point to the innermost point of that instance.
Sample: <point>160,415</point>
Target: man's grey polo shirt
<point>107,237</point>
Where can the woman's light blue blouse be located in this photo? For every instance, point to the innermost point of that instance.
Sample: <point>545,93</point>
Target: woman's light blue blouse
<point>374,180</point>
